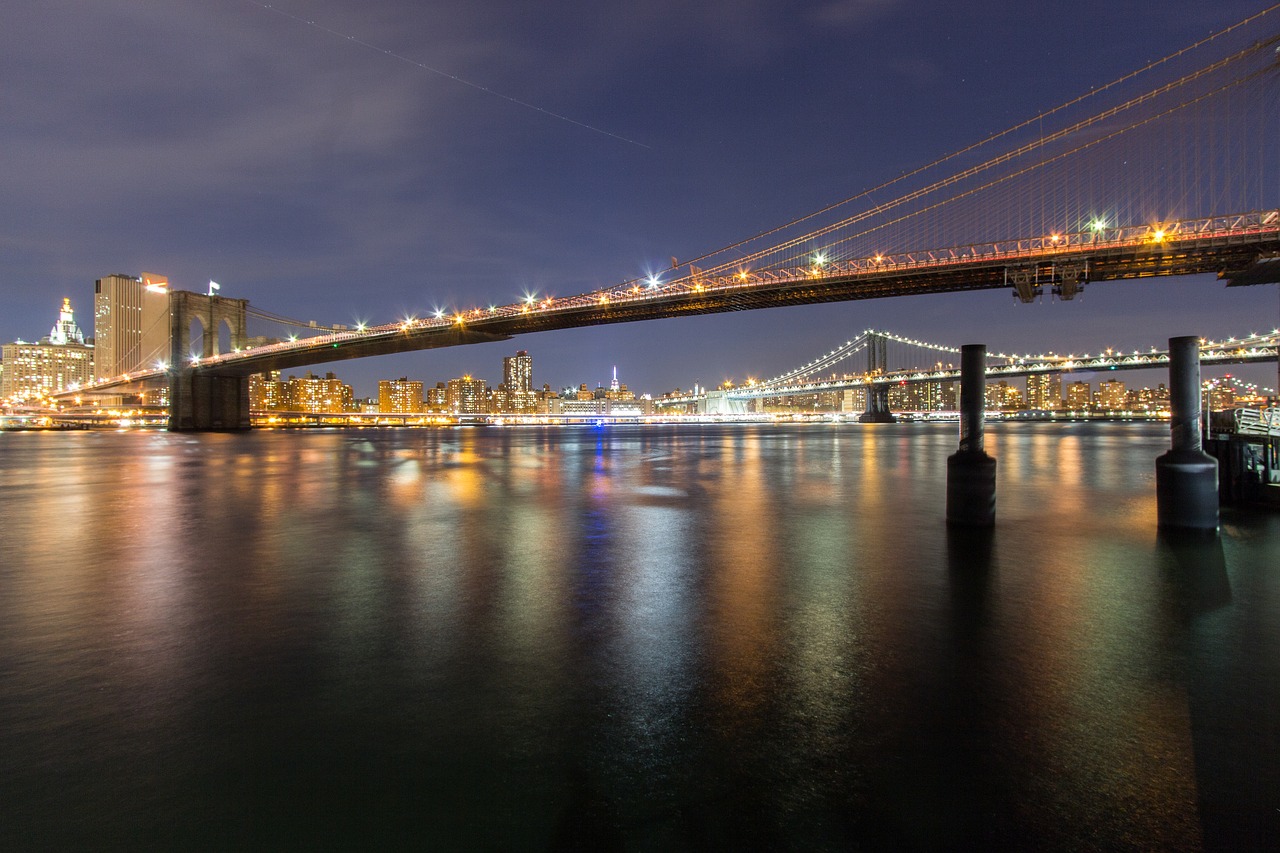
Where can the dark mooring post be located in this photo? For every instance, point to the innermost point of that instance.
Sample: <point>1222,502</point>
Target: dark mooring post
<point>971,473</point>
<point>1186,476</point>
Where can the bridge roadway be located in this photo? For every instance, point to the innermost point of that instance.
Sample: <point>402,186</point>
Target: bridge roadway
<point>1229,246</point>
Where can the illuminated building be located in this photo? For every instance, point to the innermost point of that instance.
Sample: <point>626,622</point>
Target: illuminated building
<point>901,398</point>
<point>313,394</point>
<point>267,393</point>
<point>1149,399</point>
<point>400,396</point>
<point>56,363</point>
<point>1220,396</point>
<point>578,406</point>
<point>467,396</point>
<point>1111,396</point>
<point>65,331</point>
<point>130,324</point>
<point>1079,397</point>
<point>949,396</point>
<point>1044,391</point>
<point>438,398</point>
<point>1002,396</point>
<point>517,383</point>
<point>617,391</point>
<point>923,397</point>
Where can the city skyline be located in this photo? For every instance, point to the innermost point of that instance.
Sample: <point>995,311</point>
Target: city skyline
<point>336,184</point>
<point>514,393</point>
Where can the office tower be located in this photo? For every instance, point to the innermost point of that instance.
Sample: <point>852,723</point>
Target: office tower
<point>130,324</point>
<point>517,377</point>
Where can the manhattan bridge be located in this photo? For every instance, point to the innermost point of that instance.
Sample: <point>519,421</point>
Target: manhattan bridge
<point>1172,169</point>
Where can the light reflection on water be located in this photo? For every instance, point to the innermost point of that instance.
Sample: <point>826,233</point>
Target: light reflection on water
<point>662,638</point>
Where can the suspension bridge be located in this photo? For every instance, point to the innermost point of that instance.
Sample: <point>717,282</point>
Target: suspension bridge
<point>891,360</point>
<point>1173,169</point>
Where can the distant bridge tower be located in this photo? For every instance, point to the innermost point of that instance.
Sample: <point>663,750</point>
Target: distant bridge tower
<point>203,399</point>
<point>877,353</point>
<point>877,392</point>
<point>719,403</point>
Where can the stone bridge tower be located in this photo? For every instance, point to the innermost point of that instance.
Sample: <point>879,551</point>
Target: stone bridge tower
<point>202,398</point>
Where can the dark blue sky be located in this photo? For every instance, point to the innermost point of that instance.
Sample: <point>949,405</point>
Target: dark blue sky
<point>323,179</point>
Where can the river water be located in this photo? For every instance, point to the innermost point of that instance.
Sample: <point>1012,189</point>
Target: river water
<point>641,638</point>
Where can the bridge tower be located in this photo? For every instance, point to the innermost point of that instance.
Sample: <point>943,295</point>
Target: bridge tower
<point>877,392</point>
<point>202,398</point>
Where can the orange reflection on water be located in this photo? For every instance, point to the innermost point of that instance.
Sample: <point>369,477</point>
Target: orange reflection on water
<point>741,575</point>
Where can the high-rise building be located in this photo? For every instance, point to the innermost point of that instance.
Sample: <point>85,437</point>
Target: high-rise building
<point>1003,397</point>
<point>1150,399</point>
<point>401,396</point>
<point>57,363</point>
<point>267,393</point>
<point>1044,391</point>
<point>65,331</point>
<point>618,390</point>
<point>130,323</point>
<point>438,398</point>
<point>1112,396</point>
<point>901,398</point>
<point>1220,396</point>
<point>924,397</point>
<point>314,394</point>
<point>1079,397</point>
<point>467,396</point>
<point>517,377</point>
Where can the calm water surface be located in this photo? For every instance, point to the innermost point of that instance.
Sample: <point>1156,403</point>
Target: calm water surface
<point>654,638</point>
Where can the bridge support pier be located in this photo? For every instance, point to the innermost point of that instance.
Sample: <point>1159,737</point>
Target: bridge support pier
<point>971,473</point>
<point>1186,476</point>
<point>200,401</point>
<point>877,406</point>
<point>719,403</point>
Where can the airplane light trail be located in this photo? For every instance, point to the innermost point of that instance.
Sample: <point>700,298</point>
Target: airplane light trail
<point>453,77</point>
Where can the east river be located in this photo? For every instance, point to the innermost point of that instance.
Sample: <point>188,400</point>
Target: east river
<point>639,638</point>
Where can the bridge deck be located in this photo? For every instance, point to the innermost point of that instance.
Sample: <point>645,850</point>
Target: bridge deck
<point>1224,246</point>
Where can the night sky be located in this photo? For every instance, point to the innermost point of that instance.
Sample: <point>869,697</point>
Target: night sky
<point>335,171</point>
